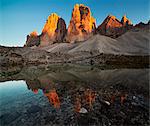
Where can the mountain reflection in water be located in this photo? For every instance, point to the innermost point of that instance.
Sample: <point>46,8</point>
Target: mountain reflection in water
<point>77,96</point>
<point>53,97</point>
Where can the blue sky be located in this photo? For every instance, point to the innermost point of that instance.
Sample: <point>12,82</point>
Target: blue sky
<point>20,17</point>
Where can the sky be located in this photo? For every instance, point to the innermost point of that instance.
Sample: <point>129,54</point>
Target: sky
<point>20,17</point>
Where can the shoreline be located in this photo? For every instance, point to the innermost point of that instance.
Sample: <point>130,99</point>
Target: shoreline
<point>13,56</point>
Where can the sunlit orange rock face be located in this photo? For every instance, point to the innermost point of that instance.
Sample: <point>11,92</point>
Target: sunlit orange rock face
<point>112,27</point>
<point>82,24</point>
<point>34,33</point>
<point>125,21</point>
<point>54,30</point>
<point>33,39</point>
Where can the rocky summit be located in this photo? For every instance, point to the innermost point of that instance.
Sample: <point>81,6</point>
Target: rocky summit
<point>82,24</point>
<point>33,39</point>
<point>54,30</point>
<point>112,27</point>
<point>125,21</point>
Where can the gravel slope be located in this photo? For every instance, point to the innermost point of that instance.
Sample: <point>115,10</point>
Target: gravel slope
<point>131,43</point>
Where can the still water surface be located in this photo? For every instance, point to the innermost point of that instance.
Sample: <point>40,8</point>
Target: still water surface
<point>75,96</point>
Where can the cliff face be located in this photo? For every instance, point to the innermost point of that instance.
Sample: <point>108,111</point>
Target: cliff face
<point>33,39</point>
<point>112,27</point>
<point>82,24</point>
<point>61,30</point>
<point>54,30</point>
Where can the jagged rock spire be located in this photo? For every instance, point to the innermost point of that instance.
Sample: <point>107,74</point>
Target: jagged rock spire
<point>82,24</point>
<point>54,30</point>
<point>125,21</point>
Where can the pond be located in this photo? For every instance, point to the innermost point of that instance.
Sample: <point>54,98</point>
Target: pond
<point>80,95</point>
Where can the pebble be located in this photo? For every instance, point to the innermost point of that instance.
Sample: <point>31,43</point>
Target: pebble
<point>83,110</point>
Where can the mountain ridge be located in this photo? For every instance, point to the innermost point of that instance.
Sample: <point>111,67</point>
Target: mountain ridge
<point>81,27</point>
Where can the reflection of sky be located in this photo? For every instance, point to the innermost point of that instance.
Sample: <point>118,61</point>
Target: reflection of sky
<point>12,89</point>
<point>14,94</point>
<point>19,17</point>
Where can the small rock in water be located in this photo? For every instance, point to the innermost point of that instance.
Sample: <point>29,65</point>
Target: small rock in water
<point>83,110</point>
<point>134,97</point>
<point>108,103</point>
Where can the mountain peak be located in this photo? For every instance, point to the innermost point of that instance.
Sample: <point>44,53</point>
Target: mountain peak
<point>32,39</point>
<point>113,27</point>
<point>82,24</point>
<point>125,21</point>
<point>111,16</point>
<point>110,19</point>
<point>51,24</point>
<point>34,33</point>
<point>54,30</point>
